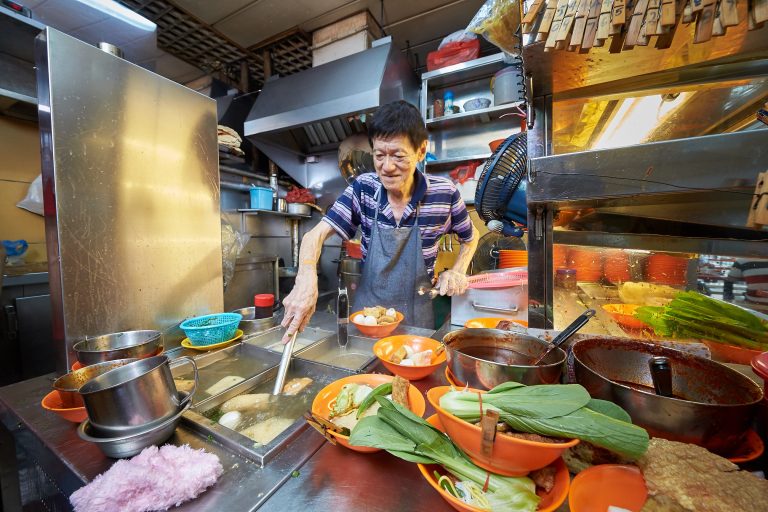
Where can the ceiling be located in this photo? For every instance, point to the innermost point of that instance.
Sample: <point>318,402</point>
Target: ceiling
<point>217,36</point>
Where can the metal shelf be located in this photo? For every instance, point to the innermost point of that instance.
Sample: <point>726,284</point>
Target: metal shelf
<point>254,211</point>
<point>712,163</point>
<point>458,159</point>
<point>465,71</point>
<point>483,115</point>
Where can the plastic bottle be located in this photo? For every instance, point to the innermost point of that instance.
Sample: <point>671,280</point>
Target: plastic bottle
<point>263,304</point>
<point>448,102</point>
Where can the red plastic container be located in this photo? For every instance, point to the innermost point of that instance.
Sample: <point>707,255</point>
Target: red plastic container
<point>263,304</point>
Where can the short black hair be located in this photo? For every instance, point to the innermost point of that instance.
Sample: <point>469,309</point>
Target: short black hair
<point>397,118</point>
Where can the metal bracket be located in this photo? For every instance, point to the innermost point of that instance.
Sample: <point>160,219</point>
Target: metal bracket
<point>492,309</point>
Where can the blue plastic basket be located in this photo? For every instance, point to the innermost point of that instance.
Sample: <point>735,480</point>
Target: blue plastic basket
<point>211,329</point>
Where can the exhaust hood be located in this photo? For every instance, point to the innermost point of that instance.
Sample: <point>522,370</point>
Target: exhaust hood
<point>314,110</point>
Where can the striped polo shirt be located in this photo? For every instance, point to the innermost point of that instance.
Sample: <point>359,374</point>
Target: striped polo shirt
<point>441,210</point>
<point>755,275</point>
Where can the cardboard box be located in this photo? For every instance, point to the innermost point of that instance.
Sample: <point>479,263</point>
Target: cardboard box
<point>345,37</point>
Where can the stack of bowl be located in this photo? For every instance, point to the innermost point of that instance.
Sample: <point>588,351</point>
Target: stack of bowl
<point>133,406</point>
<point>666,269</point>
<point>588,264</point>
<point>117,345</point>
<point>513,259</point>
<point>616,267</point>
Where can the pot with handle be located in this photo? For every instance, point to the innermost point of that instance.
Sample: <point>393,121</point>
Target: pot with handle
<point>135,396</point>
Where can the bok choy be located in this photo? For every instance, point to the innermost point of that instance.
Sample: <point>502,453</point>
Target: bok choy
<point>405,435</point>
<point>693,315</point>
<point>554,410</point>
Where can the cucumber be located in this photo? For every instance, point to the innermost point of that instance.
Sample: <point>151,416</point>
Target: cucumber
<point>381,390</point>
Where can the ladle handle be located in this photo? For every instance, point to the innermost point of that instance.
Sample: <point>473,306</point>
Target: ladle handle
<point>285,360</point>
<point>566,333</point>
<point>661,375</point>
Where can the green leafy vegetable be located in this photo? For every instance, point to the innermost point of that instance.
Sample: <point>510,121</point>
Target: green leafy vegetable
<point>405,435</point>
<point>554,410</point>
<point>693,315</point>
<point>380,390</point>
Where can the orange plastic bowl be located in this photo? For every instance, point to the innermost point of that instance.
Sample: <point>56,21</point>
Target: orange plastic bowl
<point>385,347</point>
<point>490,322</point>
<point>731,353</point>
<point>52,402</point>
<point>376,331</point>
<point>624,314</point>
<point>511,456</point>
<point>598,487</point>
<point>550,501</point>
<point>321,405</point>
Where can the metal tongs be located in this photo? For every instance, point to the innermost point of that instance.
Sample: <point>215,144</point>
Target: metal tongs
<point>285,360</point>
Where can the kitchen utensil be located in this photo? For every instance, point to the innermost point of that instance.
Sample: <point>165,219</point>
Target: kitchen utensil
<point>376,331</point>
<point>492,322</point>
<point>285,360</point>
<point>507,86</point>
<point>210,329</point>
<point>119,345</point>
<point>476,104</point>
<point>566,333</point>
<point>261,198</point>
<point>511,456</point>
<point>624,315</point>
<point>730,353</point>
<point>597,488</point>
<point>72,411</point>
<point>282,205</point>
<point>251,325</point>
<point>129,398</point>
<point>204,348</point>
<point>321,405</point>
<point>661,375</point>
<point>713,405</point>
<point>485,358</point>
<point>68,385</point>
<point>385,347</point>
<point>120,447</point>
<point>550,501</point>
<point>342,317</point>
<point>486,280</point>
<point>299,209</point>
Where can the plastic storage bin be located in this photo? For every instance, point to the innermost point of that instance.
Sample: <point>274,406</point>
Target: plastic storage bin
<point>261,198</point>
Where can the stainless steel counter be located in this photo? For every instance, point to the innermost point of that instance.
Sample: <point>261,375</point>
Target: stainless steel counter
<point>330,476</point>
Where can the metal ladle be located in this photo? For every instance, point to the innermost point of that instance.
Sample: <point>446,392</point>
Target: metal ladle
<point>566,333</point>
<point>285,360</point>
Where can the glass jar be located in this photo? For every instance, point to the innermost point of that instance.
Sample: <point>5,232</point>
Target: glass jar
<point>565,278</point>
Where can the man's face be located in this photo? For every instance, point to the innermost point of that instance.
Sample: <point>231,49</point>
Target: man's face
<point>395,160</point>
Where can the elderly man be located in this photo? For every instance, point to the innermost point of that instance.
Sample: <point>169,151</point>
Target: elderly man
<point>402,214</point>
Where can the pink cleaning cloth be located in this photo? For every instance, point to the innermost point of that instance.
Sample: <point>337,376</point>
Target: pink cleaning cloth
<point>155,479</point>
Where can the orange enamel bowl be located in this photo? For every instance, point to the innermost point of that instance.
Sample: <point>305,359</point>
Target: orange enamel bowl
<point>624,314</point>
<point>321,405</point>
<point>598,487</point>
<point>510,456</point>
<point>385,347</point>
<point>490,322</point>
<point>376,331</point>
<point>53,402</point>
<point>550,501</point>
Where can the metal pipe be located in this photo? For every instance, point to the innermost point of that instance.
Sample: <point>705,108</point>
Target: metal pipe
<point>295,242</point>
<point>235,186</point>
<point>257,177</point>
<point>273,183</point>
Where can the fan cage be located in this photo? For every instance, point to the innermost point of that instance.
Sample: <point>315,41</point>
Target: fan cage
<point>501,175</point>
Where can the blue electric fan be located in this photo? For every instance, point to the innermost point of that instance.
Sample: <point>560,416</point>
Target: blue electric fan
<point>500,194</point>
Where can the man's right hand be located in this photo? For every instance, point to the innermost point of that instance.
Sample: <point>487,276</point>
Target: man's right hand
<point>300,304</point>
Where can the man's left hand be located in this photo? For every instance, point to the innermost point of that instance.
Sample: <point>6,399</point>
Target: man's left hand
<point>452,282</point>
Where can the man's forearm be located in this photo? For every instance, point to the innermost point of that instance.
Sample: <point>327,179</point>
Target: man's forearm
<point>312,247</point>
<point>466,252</point>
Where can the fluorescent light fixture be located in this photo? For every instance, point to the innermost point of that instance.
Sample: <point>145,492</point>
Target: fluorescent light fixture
<point>120,12</point>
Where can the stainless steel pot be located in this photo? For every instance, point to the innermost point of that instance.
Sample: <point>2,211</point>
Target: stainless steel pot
<point>68,385</point>
<point>485,358</point>
<point>130,398</point>
<point>119,345</point>
<point>713,405</point>
<point>251,325</point>
<point>299,209</point>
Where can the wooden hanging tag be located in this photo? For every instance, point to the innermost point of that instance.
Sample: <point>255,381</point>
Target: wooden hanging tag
<point>546,21</point>
<point>562,6</point>
<point>688,12</point>
<point>603,23</point>
<point>636,23</point>
<point>760,11</point>
<point>488,425</point>
<point>579,24</point>
<point>668,9</point>
<point>717,27</point>
<point>567,25</point>
<point>705,22</point>
<point>758,211</point>
<point>619,13</point>
<point>697,5</point>
<point>729,13</point>
<point>652,16</point>
<point>536,7</point>
<point>590,29</point>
